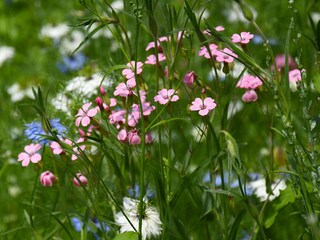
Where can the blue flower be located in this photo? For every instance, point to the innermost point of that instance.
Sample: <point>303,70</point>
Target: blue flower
<point>72,63</point>
<point>34,130</point>
<point>78,225</point>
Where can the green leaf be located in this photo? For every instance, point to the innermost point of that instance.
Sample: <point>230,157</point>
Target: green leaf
<point>236,224</point>
<point>232,145</point>
<point>286,197</point>
<point>316,82</point>
<point>127,236</point>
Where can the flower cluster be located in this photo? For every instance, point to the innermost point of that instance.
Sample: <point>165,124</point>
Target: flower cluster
<point>250,83</point>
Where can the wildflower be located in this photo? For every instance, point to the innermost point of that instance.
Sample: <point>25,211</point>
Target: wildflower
<point>17,94</point>
<point>249,82</point>
<point>166,95</point>
<point>294,78</point>
<point>30,154</point>
<point>260,190</point>
<point>129,71</point>
<point>34,130</point>
<point>250,96</point>
<point>189,78</point>
<point>72,63</point>
<point>84,115</point>
<point>204,51</point>
<point>47,179</point>
<point>280,61</point>
<point>203,106</point>
<point>117,117</point>
<point>151,223</point>
<point>226,56</point>
<point>153,60</point>
<point>122,135</point>
<point>80,180</point>
<point>76,149</point>
<point>133,137</point>
<point>243,37</point>
<point>295,75</point>
<point>125,89</point>
<point>148,138</point>
<point>56,147</point>
<point>78,225</point>
<point>55,32</point>
<point>6,53</point>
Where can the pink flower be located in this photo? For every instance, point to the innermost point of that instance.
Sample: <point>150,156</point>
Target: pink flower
<point>250,96</point>
<point>129,72</point>
<point>166,95</point>
<point>295,75</point>
<point>122,135</point>
<point>117,117</point>
<point>153,60</point>
<point>125,89</point>
<point>152,45</point>
<point>83,181</point>
<point>146,108</point>
<point>219,28</point>
<point>133,137</point>
<point>76,149</point>
<point>249,82</point>
<point>56,147</point>
<point>203,106</point>
<point>204,51</point>
<point>243,38</point>
<point>112,103</point>
<point>148,138</point>
<point>226,55</point>
<point>84,115</point>
<point>189,78</point>
<point>280,62</point>
<point>47,179</point>
<point>30,154</point>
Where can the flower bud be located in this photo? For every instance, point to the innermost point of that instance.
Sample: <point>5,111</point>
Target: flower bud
<point>250,96</point>
<point>122,135</point>
<point>47,179</point>
<point>102,91</point>
<point>189,78</point>
<point>82,180</point>
<point>148,138</point>
<point>133,137</point>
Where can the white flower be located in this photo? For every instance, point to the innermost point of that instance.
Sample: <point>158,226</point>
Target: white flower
<point>55,32</point>
<point>151,223</point>
<point>5,54</point>
<point>70,43</point>
<point>17,94</point>
<point>260,189</point>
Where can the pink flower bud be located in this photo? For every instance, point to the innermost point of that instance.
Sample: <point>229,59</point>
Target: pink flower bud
<point>122,135</point>
<point>82,133</point>
<point>203,91</point>
<point>47,179</point>
<point>133,137</point>
<point>99,102</point>
<point>250,96</point>
<point>189,78</point>
<point>148,138</point>
<point>102,91</point>
<point>82,180</point>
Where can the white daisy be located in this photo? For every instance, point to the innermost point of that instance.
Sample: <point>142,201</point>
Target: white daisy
<point>151,223</point>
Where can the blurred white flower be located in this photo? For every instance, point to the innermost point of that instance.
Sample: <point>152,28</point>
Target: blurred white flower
<point>6,53</point>
<point>260,189</point>
<point>17,94</point>
<point>118,4</point>
<point>71,42</point>
<point>151,223</point>
<point>55,32</point>
<point>80,87</point>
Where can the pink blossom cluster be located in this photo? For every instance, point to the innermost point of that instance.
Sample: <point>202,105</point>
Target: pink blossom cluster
<point>250,83</point>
